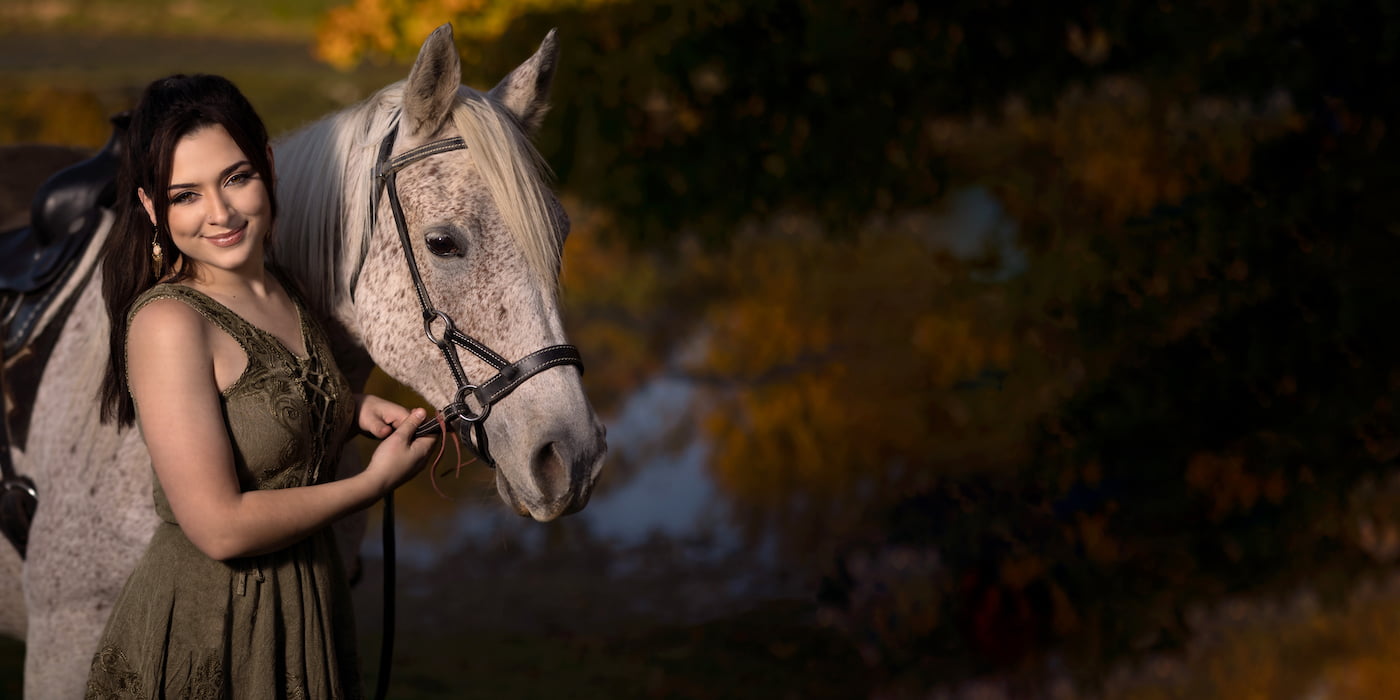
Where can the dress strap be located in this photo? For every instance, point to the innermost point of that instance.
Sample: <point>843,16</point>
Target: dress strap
<point>218,314</point>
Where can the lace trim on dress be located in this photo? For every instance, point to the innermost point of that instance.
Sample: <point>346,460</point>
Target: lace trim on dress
<point>206,682</point>
<point>112,677</point>
<point>296,690</point>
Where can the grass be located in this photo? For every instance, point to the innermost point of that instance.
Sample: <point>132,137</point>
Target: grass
<point>242,19</point>
<point>1245,649</point>
<point>765,653</point>
<point>769,652</point>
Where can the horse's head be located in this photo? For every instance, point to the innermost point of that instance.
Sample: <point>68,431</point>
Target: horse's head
<point>487,234</point>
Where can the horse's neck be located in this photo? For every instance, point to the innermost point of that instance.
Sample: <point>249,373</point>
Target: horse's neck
<point>349,350</point>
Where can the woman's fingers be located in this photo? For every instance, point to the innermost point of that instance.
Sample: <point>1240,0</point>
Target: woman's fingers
<point>379,416</point>
<point>409,423</point>
<point>400,456</point>
<point>391,412</point>
<point>417,448</point>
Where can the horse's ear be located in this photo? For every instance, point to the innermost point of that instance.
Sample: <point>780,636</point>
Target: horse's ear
<point>432,84</point>
<point>525,92</point>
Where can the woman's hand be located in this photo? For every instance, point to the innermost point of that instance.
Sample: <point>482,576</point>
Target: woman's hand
<point>400,456</point>
<point>378,417</point>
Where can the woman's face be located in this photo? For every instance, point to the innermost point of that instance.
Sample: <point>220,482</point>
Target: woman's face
<point>219,212</point>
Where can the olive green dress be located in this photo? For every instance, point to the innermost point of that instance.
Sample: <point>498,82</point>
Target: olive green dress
<point>271,626</point>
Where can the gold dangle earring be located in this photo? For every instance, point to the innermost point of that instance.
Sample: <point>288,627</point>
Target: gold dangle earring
<point>156,257</point>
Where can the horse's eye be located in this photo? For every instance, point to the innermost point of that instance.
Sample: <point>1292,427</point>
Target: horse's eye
<point>443,245</point>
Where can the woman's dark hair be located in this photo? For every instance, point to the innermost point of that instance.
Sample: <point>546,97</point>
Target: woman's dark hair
<point>170,109</point>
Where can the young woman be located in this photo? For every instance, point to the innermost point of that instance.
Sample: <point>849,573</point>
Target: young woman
<point>241,592</point>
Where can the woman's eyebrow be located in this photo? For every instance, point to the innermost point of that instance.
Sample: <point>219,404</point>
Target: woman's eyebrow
<point>222,174</point>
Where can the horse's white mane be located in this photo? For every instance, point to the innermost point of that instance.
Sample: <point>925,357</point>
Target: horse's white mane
<point>326,189</point>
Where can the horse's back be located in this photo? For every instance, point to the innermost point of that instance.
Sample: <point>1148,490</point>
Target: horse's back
<point>23,169</point>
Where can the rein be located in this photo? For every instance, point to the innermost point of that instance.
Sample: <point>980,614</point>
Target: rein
<point>460,412</point>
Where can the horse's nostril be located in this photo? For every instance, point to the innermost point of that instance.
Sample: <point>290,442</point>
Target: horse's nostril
<point>551,472</point>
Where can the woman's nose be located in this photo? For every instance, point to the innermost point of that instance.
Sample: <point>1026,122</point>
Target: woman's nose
<point>218,211</point>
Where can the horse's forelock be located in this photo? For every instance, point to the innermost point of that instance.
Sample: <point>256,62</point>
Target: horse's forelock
<point>516,177</point>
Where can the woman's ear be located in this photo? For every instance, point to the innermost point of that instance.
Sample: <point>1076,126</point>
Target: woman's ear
<point>148,204</point>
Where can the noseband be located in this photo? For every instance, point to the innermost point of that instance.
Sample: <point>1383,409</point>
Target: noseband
<point>461,414</point>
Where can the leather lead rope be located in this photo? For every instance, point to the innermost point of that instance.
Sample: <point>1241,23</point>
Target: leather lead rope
<point>386,644</point>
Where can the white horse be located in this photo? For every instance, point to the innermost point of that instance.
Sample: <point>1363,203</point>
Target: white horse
<point>487,234</point>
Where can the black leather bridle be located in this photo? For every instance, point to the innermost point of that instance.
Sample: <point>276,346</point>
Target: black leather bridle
<point>509,375</point>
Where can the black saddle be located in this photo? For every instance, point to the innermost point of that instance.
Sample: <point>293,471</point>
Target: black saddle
<point>36,259</point>
<point>35,262</point>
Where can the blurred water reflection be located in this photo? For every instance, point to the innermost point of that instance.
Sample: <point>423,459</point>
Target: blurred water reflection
<point>671,493</point>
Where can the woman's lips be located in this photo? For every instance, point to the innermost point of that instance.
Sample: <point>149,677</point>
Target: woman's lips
<point>228,239</point>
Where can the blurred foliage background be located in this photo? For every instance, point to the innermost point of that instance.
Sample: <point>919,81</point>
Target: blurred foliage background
<point>1047,348</point>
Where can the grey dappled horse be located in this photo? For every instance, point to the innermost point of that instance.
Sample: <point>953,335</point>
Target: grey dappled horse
<point>487,234</point>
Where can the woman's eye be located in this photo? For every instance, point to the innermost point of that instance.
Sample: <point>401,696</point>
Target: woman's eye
<point>182,198</point>
<point>238,177</point>
<point>443,245</point>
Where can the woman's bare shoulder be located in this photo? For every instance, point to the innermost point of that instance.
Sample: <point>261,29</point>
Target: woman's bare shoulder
<point>167,323</point>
